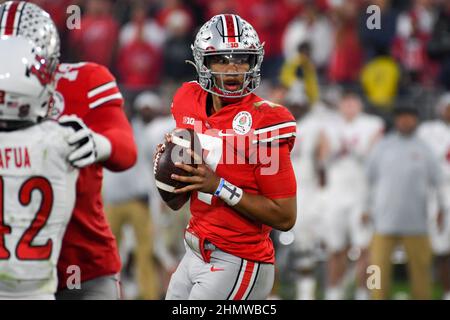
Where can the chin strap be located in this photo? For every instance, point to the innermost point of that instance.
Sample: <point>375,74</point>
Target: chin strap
<point>227,100</point>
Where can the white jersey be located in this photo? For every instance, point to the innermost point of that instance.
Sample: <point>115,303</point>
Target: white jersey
<point>37,196</point>
<point>308,229</point>
<point>303,154</point>
<point>350,144</point>
<point>437,135</point>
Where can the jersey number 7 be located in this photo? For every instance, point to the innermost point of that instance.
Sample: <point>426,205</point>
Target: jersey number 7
<point>25,250</point>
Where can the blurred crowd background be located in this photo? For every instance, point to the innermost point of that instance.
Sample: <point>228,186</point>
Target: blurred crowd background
<point>313,51</point>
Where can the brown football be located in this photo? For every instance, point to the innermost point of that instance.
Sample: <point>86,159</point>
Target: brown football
<point>164,165</point>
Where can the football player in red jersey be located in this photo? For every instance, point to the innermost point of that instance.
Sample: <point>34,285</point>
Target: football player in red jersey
<point>247,185</point>
<point>89,94</point>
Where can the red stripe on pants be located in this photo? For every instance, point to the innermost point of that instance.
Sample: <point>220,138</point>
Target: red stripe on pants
<point>245,280</point>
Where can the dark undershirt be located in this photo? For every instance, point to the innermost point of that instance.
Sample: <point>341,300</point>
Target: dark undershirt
<point>209,105</point>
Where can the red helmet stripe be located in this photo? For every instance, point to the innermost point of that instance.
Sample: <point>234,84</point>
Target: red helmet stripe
<point>11,16</point>
<point>231,31</point>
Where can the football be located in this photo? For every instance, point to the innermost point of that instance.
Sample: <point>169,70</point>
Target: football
<point>164,165</point>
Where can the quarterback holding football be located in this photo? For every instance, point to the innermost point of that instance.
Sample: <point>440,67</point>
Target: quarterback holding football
<point>246,185</point>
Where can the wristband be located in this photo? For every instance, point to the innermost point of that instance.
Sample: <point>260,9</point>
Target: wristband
<point>219,188</point>
<point>229,193</point>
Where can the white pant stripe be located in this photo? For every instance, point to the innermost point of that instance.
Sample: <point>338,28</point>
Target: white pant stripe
<point>239,281</point>
<point>252,281</point>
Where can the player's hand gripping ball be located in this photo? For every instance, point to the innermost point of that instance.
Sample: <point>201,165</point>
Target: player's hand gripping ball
<point>174,149</point>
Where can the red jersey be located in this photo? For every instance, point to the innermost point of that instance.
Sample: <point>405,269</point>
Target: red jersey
<point>235,144</point>
<point>89,91</point>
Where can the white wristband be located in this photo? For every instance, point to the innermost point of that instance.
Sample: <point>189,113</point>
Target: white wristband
<point>230,193</point>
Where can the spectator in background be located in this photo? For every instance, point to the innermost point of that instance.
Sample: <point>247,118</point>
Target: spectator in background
<point>439,45</point>
<point>380,79</point>
<point>139,62</point>
<point>177,48</point>
<point>309,26</point>
<point>376,40</point>
<point>401,169</point>
<point>409,47</point>
<point>152,32</point>
<point>126,197</point>
<point>174,6</point>
<point>299,72</point>
<point>436,134</point>
<point>97,38</point>
<point>346,58</point>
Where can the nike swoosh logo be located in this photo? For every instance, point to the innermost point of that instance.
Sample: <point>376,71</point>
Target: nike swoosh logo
<point>223,134</point>
<point>214,269</point>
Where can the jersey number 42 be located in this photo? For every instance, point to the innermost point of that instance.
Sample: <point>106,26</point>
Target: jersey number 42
<point>25,250</point>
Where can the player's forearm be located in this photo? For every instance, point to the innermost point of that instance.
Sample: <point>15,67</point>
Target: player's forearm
<point>280,214</point>
<point>115,127</point>
<point>123,153</point>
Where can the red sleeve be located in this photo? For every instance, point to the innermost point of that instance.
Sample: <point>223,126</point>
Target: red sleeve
<point>276,126</point>
<point>274,173</point>
<point>111,122</point>
<point>102,88</point>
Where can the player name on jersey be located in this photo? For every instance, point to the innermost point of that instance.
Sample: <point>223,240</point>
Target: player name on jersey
<point>14,157</point>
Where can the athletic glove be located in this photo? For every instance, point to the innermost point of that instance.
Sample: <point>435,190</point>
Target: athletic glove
<point>91,147</point>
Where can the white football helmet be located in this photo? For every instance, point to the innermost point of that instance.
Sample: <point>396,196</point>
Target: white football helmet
<point>25,90</point>
<point>230,36</point>
<point>21,18</point>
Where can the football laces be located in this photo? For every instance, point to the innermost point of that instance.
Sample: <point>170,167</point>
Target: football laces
<point>157,157</point>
